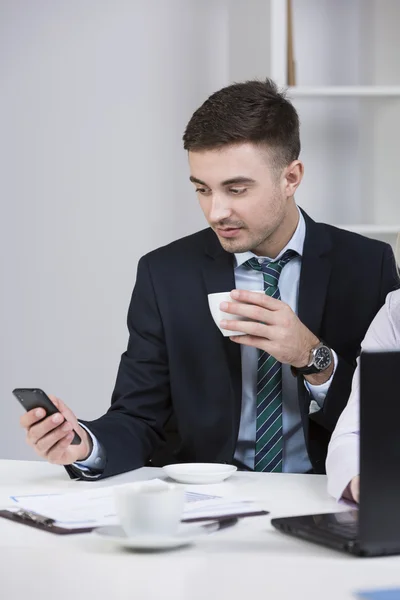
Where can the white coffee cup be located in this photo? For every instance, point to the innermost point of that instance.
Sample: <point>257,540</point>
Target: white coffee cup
<point>147,508</point>
<point>214,300</point>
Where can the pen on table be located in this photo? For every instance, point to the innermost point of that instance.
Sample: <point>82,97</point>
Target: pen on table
<point>220,524</point>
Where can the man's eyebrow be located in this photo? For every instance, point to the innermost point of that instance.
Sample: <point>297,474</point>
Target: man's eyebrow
<point>195,180</point>
<point>238,180</point>
<point>232,181</point>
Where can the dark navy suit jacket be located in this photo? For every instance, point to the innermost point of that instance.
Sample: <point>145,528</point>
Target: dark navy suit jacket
<point>178,364</point>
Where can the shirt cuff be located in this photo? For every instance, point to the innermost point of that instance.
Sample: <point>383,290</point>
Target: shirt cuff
<point>97,458</point>
<point>319,392</point>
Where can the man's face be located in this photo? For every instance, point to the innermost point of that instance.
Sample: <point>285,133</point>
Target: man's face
<point>243,198</point>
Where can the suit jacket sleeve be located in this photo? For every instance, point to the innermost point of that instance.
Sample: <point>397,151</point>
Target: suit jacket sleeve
<point>133,426</point>
<point>339,390</point>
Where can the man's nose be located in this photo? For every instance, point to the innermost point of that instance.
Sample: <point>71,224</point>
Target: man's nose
<point>220,208</point>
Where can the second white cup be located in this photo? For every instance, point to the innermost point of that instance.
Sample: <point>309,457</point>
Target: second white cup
<point>150,509</point>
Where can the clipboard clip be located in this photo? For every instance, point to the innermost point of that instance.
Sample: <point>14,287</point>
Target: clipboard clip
<point>29,515</point>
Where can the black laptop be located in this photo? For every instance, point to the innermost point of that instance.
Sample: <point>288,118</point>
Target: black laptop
<point>374,529</point>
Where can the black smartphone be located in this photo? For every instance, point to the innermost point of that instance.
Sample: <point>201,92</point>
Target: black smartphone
<point>31,398</point>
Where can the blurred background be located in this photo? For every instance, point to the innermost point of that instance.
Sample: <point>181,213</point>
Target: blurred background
<point>94,98</point>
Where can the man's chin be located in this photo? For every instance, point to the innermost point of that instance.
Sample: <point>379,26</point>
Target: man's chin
<point>234,246</point>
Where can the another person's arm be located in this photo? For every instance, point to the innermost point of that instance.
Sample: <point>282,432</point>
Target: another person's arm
<point>342,465</point>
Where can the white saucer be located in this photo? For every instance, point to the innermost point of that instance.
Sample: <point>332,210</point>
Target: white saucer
<point>199,472</point>
<point>186,535</point>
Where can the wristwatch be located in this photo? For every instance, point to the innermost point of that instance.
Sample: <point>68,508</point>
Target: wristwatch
<point>320,360</point>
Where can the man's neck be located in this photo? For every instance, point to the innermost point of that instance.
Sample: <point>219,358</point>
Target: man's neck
<point>281,237</point>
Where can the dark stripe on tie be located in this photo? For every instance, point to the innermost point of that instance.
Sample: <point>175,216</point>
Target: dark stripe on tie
<point>269,421</point>
<point>265,456</point>
<point>269,375</point>
<point>270,442</point>
<point>271,466</point>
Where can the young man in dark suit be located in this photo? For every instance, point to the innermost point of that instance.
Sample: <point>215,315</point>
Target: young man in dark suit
<point>267,400</point>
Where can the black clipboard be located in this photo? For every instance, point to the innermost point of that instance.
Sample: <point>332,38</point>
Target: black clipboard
<point>27,517</point>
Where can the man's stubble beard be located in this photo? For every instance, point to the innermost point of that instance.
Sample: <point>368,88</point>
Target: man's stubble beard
<point>237,247</point>
<point>258,238</point>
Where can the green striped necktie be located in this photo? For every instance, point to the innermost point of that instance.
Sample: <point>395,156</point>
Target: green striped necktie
<point>269,437</point>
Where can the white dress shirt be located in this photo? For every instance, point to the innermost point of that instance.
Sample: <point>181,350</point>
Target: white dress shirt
<point>295,457</point>
<point>343,458</point>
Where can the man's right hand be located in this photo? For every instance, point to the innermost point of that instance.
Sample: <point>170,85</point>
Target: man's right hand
<point>51,437</point>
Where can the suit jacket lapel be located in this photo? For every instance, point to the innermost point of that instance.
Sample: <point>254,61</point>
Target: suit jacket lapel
<point>218,273</point>
<point>315,273</point>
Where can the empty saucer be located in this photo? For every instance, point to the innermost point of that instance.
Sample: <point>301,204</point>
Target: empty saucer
<point>199,472</point>
<point>186,535</point>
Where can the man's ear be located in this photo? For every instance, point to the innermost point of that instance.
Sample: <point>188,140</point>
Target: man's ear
<point>293,176</point>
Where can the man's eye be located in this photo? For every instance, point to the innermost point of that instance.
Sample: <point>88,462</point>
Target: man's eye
<point>201,190</point>
<point>237,191</point>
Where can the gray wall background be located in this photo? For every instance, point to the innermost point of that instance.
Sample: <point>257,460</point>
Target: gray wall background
<point>94,97</point>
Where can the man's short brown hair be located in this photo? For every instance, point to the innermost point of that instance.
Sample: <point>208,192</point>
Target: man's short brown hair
<point>253,111</point>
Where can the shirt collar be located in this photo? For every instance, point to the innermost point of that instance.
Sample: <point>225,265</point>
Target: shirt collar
<point>296,243</point>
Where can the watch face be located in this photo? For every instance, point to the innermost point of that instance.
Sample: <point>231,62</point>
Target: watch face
<point>322,358</point>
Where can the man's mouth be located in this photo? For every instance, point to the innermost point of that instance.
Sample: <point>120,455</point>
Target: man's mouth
<point>228,232</point>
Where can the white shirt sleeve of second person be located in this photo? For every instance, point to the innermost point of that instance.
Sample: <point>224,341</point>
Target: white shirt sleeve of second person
<point>342,462</point>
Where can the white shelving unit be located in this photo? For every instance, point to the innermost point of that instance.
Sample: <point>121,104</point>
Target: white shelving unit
<point>372,229</point>
<point>347,94</point>
<point>350,91</point>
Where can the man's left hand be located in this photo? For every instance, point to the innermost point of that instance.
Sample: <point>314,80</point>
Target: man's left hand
<point>273,327</point>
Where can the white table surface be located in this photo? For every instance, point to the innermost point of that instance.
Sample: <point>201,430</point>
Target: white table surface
<point>249,560</point>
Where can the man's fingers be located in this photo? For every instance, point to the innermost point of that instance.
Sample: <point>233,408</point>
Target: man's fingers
<point>267,346</point>
<point>36,432</point>
<point>249,311</point>
<point>64,410</point>
<point>257,298</point>
<point>31,417</point>
<point>256,342</point>
<point>45,443</point>
<point>355,488</point>
<point>59,404</point>
<point>252,328</point>
<point>57,454</point>
<point>51,436</point>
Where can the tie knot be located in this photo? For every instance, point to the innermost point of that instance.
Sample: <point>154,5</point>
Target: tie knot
<point>271,270</point>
